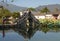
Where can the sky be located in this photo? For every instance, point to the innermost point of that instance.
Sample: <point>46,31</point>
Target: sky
<point>33,3</point>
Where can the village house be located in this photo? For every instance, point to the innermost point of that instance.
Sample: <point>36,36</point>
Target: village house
<point>37,16</point>
<point>42,16</point>
<point>58,16</point>
<point>51,15</point>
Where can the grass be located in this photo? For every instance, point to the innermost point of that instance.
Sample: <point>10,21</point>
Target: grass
<point>0,20</point>
<point>50,22</point>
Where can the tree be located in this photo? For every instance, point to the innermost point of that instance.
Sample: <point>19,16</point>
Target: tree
<point>4,12</point>
<point>45,10</point>
<point>16,14</point>
<point>32,9</point>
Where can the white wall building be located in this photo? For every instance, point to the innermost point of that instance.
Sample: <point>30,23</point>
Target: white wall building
<point>21,13</point>
<point>40,17</point>
<point>58,17</point>
<point>47,16</point>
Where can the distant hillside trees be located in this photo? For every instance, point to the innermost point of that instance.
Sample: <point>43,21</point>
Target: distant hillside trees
<point>4,12</point>
<point>45,10</point>
<point>16,14</point>
<point>32,9</point>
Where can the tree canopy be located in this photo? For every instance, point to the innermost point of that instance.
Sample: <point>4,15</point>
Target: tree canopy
<point>45,10</point>
<point>32,9</point>
<point>5,12</point>
<point>16,14</point>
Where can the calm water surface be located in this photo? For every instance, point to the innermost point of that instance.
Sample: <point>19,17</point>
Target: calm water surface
<point>11,35</point>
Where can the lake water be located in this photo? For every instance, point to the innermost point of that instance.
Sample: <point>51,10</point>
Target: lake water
<point>36,35</point>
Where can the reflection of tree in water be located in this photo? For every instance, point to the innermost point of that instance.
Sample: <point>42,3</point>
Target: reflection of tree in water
<point>27,34</point>
<point>45,29</point>
<point>27,31</point>
<point>4,29</point>
<point>56,29</point>
<point>48,28</point>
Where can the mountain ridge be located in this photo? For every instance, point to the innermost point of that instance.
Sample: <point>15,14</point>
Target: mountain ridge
<point>13,8</point>
<point>51,7</point>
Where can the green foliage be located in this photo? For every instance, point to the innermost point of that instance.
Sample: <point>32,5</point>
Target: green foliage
<point>47,24</point>
<point>45,29</point>
<point>16,14</point>
<point>45,10</point>
<point>32,9</point>
<point>0,20</point>
<point>5,12</point>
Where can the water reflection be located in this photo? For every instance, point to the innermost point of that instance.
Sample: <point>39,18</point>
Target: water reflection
<point>3,33</point>
<point>28,32</point>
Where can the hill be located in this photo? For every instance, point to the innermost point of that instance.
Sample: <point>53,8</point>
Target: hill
<point>13,8</point>
<point>50,7</point>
